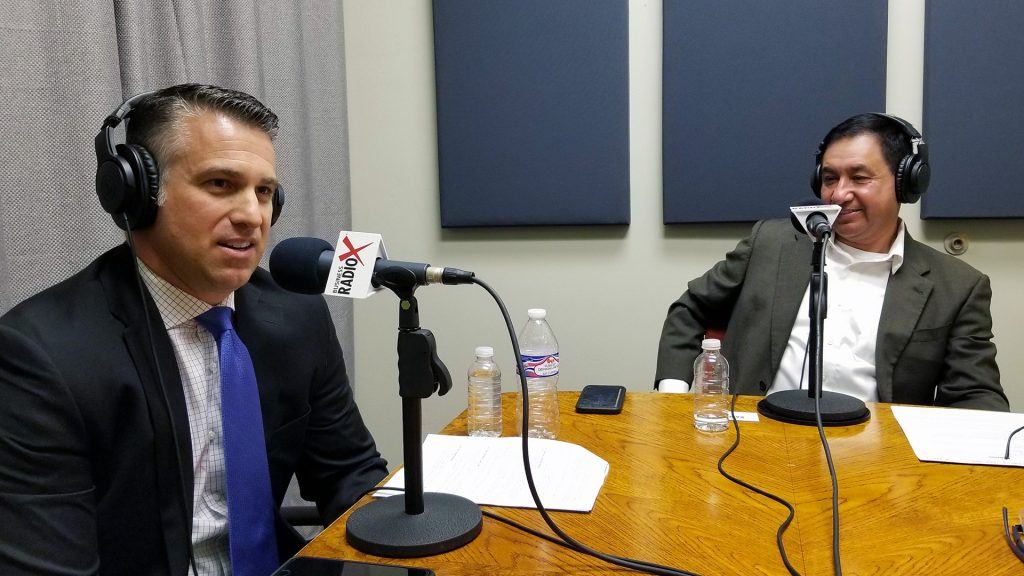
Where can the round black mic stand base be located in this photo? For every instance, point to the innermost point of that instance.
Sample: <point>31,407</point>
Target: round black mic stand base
<point>383,528</point>
<point>797,407</point>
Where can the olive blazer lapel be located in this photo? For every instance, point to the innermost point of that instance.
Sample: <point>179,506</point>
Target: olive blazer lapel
<point>794,274</point>
<point>905,297</point>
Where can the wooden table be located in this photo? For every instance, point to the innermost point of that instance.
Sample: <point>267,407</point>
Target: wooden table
<point>664,501</point>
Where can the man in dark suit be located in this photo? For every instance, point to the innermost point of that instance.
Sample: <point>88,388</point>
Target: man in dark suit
<point>906,323</point>
<point>111,437</point>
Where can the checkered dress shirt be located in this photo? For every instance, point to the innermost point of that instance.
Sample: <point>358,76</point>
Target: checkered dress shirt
<point>196,352</point>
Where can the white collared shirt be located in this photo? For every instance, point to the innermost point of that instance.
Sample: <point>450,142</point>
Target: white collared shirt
<point>196,352</point>
<point>856,291</point>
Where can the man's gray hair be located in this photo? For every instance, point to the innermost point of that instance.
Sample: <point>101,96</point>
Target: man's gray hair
<point>157,121</point>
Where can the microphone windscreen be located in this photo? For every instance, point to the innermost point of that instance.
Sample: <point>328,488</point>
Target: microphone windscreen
<point>295,264</point>
<point>807,201</point>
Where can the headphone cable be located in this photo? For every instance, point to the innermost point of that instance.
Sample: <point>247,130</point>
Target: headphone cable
<point>163,392</point>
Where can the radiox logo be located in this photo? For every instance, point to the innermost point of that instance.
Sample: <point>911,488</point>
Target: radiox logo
<point>349,260</point>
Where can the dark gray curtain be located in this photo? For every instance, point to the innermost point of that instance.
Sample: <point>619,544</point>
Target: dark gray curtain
<point>65,65</point>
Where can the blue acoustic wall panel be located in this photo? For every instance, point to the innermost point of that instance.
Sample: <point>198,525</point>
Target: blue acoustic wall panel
<point>974,108</point>
<point>750,88</point>
<point>532,111</point>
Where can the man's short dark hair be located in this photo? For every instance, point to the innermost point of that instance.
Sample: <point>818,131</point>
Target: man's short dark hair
<point>156,121</point>
<point>892,135</point>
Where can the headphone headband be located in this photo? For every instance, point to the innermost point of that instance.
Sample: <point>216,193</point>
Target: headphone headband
<point>122,111</point>
<point>127,177</point>
<point>104,140</point>
<point>907,126</point>
<point>917,143</point>
<point>912,172</point>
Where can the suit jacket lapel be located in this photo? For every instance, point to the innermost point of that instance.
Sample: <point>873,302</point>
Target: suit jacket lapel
<point>166,403</point>
<point>794,273</point>
<point>905,296</point>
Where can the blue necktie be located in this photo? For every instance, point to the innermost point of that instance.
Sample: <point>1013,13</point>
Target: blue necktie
<point>251,535</point>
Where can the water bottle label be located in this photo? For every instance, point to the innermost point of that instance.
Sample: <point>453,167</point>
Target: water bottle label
<point>540,366</point>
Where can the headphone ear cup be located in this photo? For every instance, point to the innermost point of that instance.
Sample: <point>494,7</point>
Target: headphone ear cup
<point>902,177</point>
<point>113,180</point>
<point>919,174</point>
<point>912,178</point>
<point>141,190</point>
<point>816,180</point>
<point>816,175</point>
<point>278,204</point>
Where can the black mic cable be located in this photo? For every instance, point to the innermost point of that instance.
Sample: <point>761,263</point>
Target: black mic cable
<point>288,266</point>
<point>1010,439</point>
<point>632,564</point>
<point>792,512</point>
<point>837,567</point>
<point>1013,536</point>
<point>163,393</point>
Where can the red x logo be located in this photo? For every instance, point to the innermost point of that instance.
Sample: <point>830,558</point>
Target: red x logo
<point>352,251</point>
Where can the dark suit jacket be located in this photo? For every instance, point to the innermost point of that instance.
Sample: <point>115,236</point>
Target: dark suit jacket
<point>934,342</point>
<point>89,478</point>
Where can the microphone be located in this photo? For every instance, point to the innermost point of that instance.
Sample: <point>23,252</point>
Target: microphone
<point>422,523</point>
<point>301,264</point>
<point>304,265</point>
<point>814,217</point>
<point>809,408</point>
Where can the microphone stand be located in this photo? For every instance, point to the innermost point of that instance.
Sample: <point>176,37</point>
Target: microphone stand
<point>428,523</point>
<point>795,407</point>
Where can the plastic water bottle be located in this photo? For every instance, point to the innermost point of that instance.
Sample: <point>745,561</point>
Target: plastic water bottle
<point>539,352</point>
<point>711,388</point>
<point>484,394</point>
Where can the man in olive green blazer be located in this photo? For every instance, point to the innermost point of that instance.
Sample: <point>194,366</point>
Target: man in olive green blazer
<point>934,340</point>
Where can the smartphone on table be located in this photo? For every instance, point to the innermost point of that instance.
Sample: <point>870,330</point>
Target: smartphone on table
<point>601,399</point>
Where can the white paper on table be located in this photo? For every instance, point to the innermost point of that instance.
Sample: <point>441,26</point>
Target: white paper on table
<point>962,436</point>
<point>490,471</point>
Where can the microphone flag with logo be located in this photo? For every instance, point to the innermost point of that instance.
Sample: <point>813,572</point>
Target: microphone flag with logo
<point>810,214</point>
<point>352,267</point>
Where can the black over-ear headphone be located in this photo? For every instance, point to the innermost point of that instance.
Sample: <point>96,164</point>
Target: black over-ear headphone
<point>127,179</point>
<point>912,172</point>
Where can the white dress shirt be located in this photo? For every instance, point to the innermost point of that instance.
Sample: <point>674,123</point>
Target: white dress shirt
<point>196,352</point>
<point>856,291</point>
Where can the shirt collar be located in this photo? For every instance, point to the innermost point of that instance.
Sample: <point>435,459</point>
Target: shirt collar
<point>176,306</point>
<point>851,255</point>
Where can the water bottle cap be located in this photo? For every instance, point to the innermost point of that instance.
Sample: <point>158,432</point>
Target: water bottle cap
<point>536,313</point>
<point>711,344</point>
<point>485,351</point>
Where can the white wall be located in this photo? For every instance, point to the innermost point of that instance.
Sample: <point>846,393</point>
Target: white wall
<point>578,274</point>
